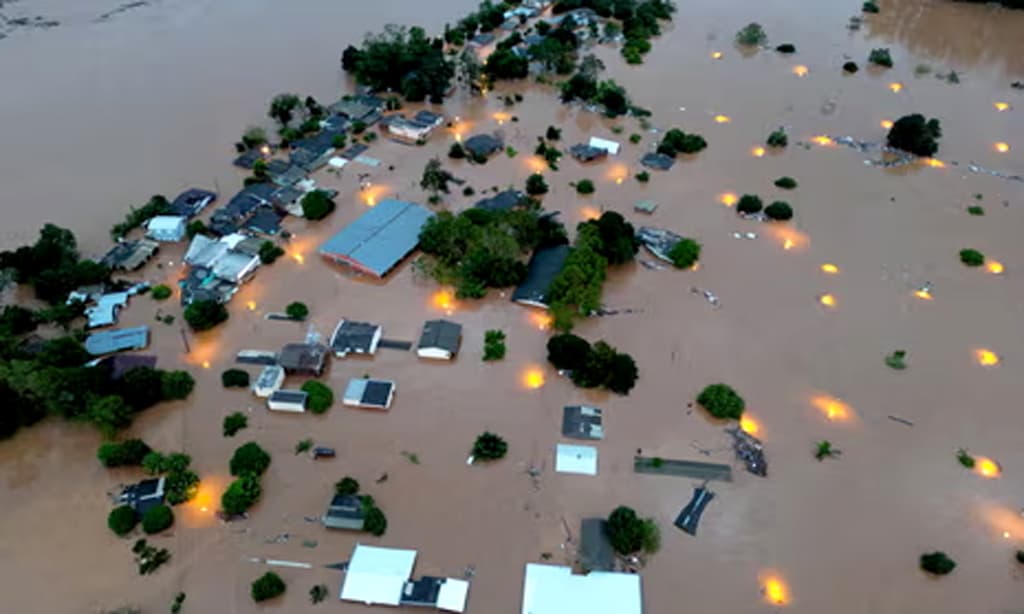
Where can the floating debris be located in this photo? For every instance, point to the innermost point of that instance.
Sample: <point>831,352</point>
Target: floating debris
<point>708,295</point>
<point>974,168</point>
<point>658,241</point>
<point>750,450</point>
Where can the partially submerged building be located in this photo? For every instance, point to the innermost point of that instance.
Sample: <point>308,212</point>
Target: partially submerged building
<point>657,161</point>
<point>483,145</point>
<point>369,393</point>
<point>303,358</point>
<point>552,589</point>
<point>611,147</point>
<point>106,309</point>
<point>587,153</point>
<point>167,228</point>
<point>502,201</point>
<point>545,265</point>
<point>379,239</point>
<point>440,340</point>
<point>658,241</point>
<point>144,495</point>
<point>689,517</point>
<point>580,460</point>
<point>414,129</point>
<point>596,552</point>
<point>382,576</point>
<point>130,255</point>
<point>288,400</point>
<point>191,202</point>
<point>119,364</point>
<point>345,512</point>
<point>351,337</point>
<point>117,340</point>
<point>582,422</point>
<point>365,109</point>
<point>270,380</point>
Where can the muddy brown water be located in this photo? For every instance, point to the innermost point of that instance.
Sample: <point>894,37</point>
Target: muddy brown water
<point>97,116</point>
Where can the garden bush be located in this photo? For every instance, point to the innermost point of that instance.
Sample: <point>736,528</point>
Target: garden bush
<point>249,459</point>
<point>535,185</point>
<point>937,563</point>
<point>204,314</point>
<point>235,378</point>
<point>234,423</point>
<point>316,205</point>
<point>779,211</point>
<point>567,351</point>
<point>676,142</point>
<point>777,138</point>
<point>122,520</point>
<point>914,134</point>
<point>494,345</point>
<point>157,519</point>
<point>297,311</point>
<point>721,401</point>
<point>880,57</point>
<point>321,397</point>
<point>456,151</point>
<point>628,533</point>
<point>850,67</point>
<point>346,486</point>
<point>752,35</point>
<point>786,183</point>
<point>375,523</point>
<point>685,253</point>
<point>786,48</point>
<point>749,204</point>
<point>160,292</point>
<point>972,257</point>
<point>585,186</point>
<point>267,586</point>
<point>241,494</point>
<point>489,446</point>
<point>127,452</point>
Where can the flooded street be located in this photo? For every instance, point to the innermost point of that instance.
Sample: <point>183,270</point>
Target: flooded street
<point>98,115</point>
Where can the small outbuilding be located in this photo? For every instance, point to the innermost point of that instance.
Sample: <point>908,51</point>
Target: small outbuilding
<point>344,512</point>
<point>303,358</point>
<point>483,145</point>
<point>371,393</point>
<point>582,422</point>
<point>581,460</point>
<point>587,153</point>
<point>440,340</point>
<point>144,495</point>
<point>596,552</point>
<point>288,400</point>
<point>168,228</point>
<point>130,255</point>
<point>376,576</point>
<point>270,380</point>
<point>657,161</point>
<point>610,146</point>
<point>351,337</point>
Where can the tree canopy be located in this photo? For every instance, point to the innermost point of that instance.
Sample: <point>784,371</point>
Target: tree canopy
<point>249,459</point>
<point>403,60</point>
<point>915,134</point>
<point>205,314</point>
<point>685,253</point>
<point>489,446</point>
<point>122,520</point>
<point>126,453</point>
<point>316,205</point>
<point>320,396</point>
<point>628,533</point>
<point>722,401</point>
<point>52,265</point>
<point>157,519</point>
<point>592,366</point>
<point>267,586</point>
<point>241,494</point>
<point>676,142</point>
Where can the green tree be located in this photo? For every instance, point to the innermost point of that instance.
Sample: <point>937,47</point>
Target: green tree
<point>205,314</point>
<point>435,178</point>
<point>63,352</point>
<point>176,385</point>
<point>375,523</point>
<point>914,134</point>
<point>141,387</point>
<point>267,586</point>
<point>880,57</point>
<point>778,138</point>
<point>616,238</point>
<point>316,205</point>
<point>494,345</point>
<point>126,453</point>
<point>786,183</point>
<point>456,151</point>
<point>320,396</point>
<point>613,98</point>
<point>535,185</point>
<point>567,351</point>
<point>254,136</point>
<point>297,311</point>
<point>628,533</point>
<point>401,59</point>
<point>241,494</point>
<point>160,292</point>
<point>235,378</point>
<point>196,227</point>
<point>157,519</point>
<point>937,563</point>
<point>122,520</point>
<point>749,204</point>
<point>779,211</point>
<point>676,142</point>
<point>233,423</point>
<point>282,108</point>
<point>318,593</point>
<point>346,486</point>
<point>685,253</point>
<point>504,64</point>
<point>110,414</point>
<point>585,186</point>
<point>972,257</point>
<point>249,458</point>
<point>622,374</point>
<point>752,35</point>
<point>269,252</point>
<point>721,401</point>
<point>489,446</point>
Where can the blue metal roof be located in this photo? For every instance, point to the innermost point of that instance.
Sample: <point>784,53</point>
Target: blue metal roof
<point>380,238</point>
<point>115,340</point>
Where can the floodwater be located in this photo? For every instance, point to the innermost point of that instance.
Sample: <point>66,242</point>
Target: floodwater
<point>151,100</point>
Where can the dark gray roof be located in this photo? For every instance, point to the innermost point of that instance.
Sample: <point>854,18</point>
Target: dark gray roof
<point>344,512</point>
<point>428,117</point>
<point>352,336</point>
<point>116,340</point>
<point>289,396</point>
<point>190,202</point>
<point>290,176</point>
<point>266,220</point>
<point>354,151</point>
<point>144,495</point>
<point>502,201</point>
<point>596,552</point>
<point>441,334</point>
<point>586,153</point>
<point>545,265</point>
<point>285,196</point>
<point>582,422</point>
<point>689,517</point>
<point>120,364</point>
<point>303,357</point>
<point>248,159</point>
<point>276,166</point>
<point>483,144</point>
<point>377,393</point>
<point>483,39</point>
<point>130,255</point>
<point>657,161</point>
<point>380,238</point>
<point>422,592</point>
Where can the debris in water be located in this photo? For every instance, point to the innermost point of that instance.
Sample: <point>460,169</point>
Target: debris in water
<point>708,295</point>
<point>750,450</point>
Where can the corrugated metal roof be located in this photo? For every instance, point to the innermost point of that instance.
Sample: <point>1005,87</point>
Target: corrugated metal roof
<point>441,334</point>
<point>108,341</point>
<point>380,238</point>
<point>544,266</point>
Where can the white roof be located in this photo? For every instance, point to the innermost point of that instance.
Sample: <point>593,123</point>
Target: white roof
<point>452,597</point>
<point>575,459</point>
<point>104,313</point>
<point>166,222</point>
<point>233,266</point>
<point>337,162</point>
<point>610,146</point>
<point>377,575</point>
<point>204,251</point>
<point>550,589</point>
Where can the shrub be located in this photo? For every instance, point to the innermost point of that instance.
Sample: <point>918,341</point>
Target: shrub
<point>622,374</point>
<point>149,558</point>
<point>234,423</point>
<point>157,519</point>
<point>749,204</point>
<point>721,401</point>
<point>535,185</point>
<point>850,67</point>
<point>318,593</point>
<point>235,378</point>
<point>160,292</point>
<point>176,385</point>
<point>972,257</point>
<point>585,186</point>
<point>643,176</point>
<point>676,142</point>
<point>964,458</point>
<point>205,314</point>
<point>635,138</point>
<point>685,253</point>
<point>346,486</point>
<point>456,151</point>
<point>896,360</point>
<point>494,345</point>
<point>249,459</point>
<point>870,7</point>
<point>752,35</point>
<point>267,586</point>
<point>297,311</point>
<point>937,563</point>
<point>786,183</point>
<point>779,211</point>
<point>122,520</point>
<point>567,351</point>
<point>976,210</point>
<point>628,533</point>
<point>269,252</point>
<point>304,445</point>
<point>916,135</point>
<point>374,522</point>
<point>786,48</point>
<point>1020,557</point>
<point>321,397</point>
<point>128,452</point>
<point>880,57</point>
<point>777,138</point>
<point>823,449</point>
<point>489,446</point>
<point>316,205</point>
<point>241,495</point>
<point>553,134</point>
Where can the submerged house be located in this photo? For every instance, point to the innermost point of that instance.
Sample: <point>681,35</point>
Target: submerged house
<point>351,337</point>
<point>483,145</point>
<point>130,255</point>
<point>106,309</point>
<point>365,109</point>
<point>117,340</point>
<point>382,576</point>
<point>191,202</point>
<point>587,153</point>
<point>242,205</point>
<point>580,460</point>
<point>417,128</point>
<point>582,422</point>
<point>345,512</point>
<point>288,400</point>
<point>269,381</point>
<point>303,358</point>
<point>502,201</point>
<point>552,589</point>
<point>168,228</point>
<point>379,239</point>
<point>312,153</point>
<point>440,339</point>
<point>596,552</point>
<point>545,265</point>
<point>144,495</point>
<point>369,393</point>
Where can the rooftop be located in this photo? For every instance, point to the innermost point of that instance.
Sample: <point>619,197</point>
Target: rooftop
<point>130,255</point>
<point>288,396</point>
<point>344,512</point>
<point>551,589</point>
<point>545,265</point>
<point>596,552</point>
<point>441,334</point>
<point>587,153</point>
<point>192,201</point>
<point>119,364</point>
<point>582,422</point>
<point>502,201</point>
<point>377,575</point>
<point>303,358</point>
<point>657,161</point>
<point>580,460</point>
<point>362,392</point>
<point>483,144</point>
<point>379,239</point>
<point>116,340</point>
<point>355,337</point>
